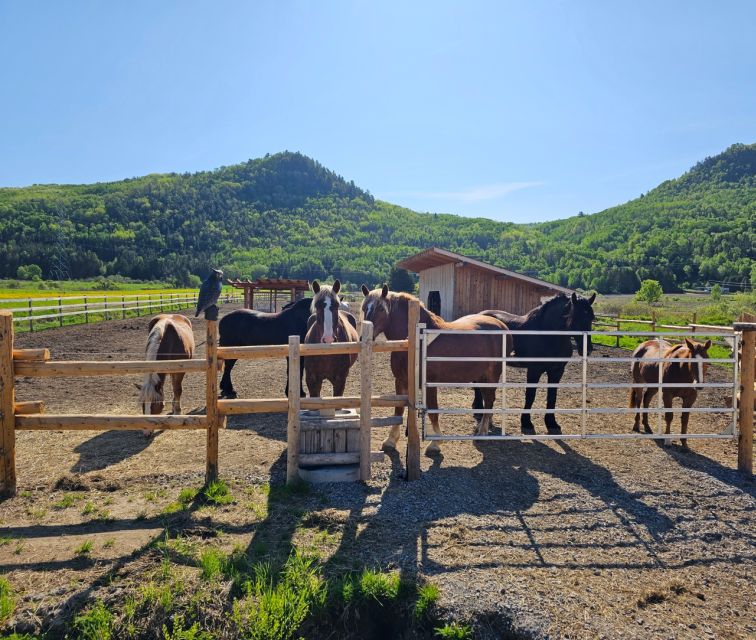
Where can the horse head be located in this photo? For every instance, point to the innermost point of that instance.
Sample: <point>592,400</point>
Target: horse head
<point>376,308</point>
<point>579,317</point>
<point>325,307</point>
<point>700,352</point>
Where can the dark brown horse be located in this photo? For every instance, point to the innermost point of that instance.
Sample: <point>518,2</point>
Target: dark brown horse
<point>170,338</point>
<point>672,372</point>
<point>389,311</point>
<point>328,324</point>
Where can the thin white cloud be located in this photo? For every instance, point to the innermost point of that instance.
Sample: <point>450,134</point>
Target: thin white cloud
<point>473,194</point>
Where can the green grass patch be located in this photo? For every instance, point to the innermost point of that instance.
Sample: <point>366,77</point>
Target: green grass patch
<point>218,493</point>
<point>84,549</point>
<point>427,597</point>
<point>68,500</point>
<point>179,632</point>
<point>93,624</point>
<point>454,631</point>
<point>7,600</point>
<point>88,509</point>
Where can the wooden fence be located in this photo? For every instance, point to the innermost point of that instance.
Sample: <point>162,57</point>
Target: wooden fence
<point>615,322</point>
<point>95,308</point>
<point>37,363</point>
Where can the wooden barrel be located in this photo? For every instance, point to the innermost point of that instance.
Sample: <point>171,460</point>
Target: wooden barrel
<point>329,445</point>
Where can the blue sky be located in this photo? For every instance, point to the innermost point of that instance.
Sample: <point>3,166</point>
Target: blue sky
<point>518,111</point>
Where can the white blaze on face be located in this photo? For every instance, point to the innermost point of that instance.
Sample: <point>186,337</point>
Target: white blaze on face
<point>699,364</point>
<point>327,322</point>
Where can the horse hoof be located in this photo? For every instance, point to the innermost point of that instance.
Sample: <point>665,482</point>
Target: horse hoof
<point>636,428</point>
<point>528,430</point>
<point>388,444</point>
<point>433,449</point>
<point>554,430</point>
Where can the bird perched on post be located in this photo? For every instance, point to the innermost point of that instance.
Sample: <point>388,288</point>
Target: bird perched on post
<point>209,291</point>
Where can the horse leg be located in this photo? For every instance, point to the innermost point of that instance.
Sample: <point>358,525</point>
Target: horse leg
<point>432,398</point>
<point>636,395</point>
<point>301,375</point>
<point>395,431</point>
<point>688,401</point>
<point>176,381</point>
<point>553,376</point>
<point>477,403</point>
<point>526,422</point>
<point>650,393</point>
<point>226,386</point>
<point>314,383</point>
<point>668,415</point>
<point>489,397</point>
<point>339,384</point>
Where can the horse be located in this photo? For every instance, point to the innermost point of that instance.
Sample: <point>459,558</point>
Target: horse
<point>247,327</point>
<point>558,313</point>
<point>672,372</point>
<point>329,323</point>
<point>170,338</point>
<point>388,311</point>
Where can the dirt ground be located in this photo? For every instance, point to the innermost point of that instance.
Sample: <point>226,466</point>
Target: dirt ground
<point>569,539</point>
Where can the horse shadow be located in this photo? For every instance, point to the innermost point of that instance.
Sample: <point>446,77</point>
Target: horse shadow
<point>109,448</point>
<point>696,462</point>
<point>268,425</point>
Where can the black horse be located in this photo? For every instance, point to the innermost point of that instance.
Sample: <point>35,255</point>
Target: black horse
<point>559,313</point>
<point>246,327</point>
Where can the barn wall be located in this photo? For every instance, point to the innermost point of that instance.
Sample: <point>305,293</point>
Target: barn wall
<point>439,279</point>
<point>476,290</point>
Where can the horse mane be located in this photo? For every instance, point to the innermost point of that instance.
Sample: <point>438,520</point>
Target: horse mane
<point>539,313</point>
<point>402,299</point>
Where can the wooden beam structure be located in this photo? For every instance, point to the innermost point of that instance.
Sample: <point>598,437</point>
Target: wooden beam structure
<point>106,422</point>
<point>71,368</point>
<point>745,408</point>
<point>7,407</point>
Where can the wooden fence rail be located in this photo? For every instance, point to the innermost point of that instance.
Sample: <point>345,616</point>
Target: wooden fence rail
<point>37,363</point>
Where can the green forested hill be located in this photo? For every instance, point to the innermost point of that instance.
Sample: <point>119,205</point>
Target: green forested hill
<point>286,215</point>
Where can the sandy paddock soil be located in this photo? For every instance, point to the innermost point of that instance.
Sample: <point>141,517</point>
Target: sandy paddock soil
<point>578,539</point>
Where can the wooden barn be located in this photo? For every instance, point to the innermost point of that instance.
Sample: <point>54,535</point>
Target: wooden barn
<point>454,285</point>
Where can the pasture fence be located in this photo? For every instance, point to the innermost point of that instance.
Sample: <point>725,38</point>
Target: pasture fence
<point>31,415</point>
<point>52,311</point>
<point>615,322</point>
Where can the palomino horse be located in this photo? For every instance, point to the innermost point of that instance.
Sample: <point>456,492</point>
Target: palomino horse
<point>558,313</point>
<point>170,338</point>
<point>328,324</point>
<point>388,311</point>
<point>672,372</point>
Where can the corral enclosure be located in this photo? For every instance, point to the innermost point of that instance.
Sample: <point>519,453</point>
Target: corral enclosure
<point>581,538</point>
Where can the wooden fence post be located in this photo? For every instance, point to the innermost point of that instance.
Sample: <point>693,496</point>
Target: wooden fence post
<point>211,401</point>
<point>745,408</point>
<point>366,391</point>
<point>86,310</point>
<point>653,321</point>
<point>60,311</point>
<point>31,321</point>
<point>107,316</point>
<point>7,399</point>
<point>413,435</point>
<point>292,429</point>
<point>123,307</point>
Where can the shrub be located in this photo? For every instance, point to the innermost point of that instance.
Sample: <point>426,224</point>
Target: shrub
<point>29,272</point>
<point>454,631</point>
<point>427,596</point>
<point>218,493</point>
<point>650,291</point>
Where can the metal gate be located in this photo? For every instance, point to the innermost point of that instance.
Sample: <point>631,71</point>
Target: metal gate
<point>426,336</point>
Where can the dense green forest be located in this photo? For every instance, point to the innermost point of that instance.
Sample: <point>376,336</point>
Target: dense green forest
<point>286,215</point>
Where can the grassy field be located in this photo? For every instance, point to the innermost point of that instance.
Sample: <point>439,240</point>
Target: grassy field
<point>47,298</point>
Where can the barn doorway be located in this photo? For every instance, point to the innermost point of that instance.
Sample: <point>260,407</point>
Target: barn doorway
<point>434,302</point>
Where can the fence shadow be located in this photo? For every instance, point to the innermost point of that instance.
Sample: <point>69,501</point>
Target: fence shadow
<point>696,462</point>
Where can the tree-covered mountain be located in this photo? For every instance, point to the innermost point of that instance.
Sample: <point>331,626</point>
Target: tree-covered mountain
<point>286,215</point>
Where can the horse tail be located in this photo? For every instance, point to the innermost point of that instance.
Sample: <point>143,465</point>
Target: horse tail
<point>149,392</point>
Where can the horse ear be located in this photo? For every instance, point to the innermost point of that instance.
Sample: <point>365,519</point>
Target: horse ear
<point>152,323</point>
<point>336,286</point>
<point>365,290</point>
<point>707,344</point>
<point>315,286</point>
<point>574,297</point>
<point>592,298</point>
<point>384,290</point>
<point>689,344</point>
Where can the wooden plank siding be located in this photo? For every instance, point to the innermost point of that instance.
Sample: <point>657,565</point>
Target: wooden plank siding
<point>439,279</point>
<point>476,290</point>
